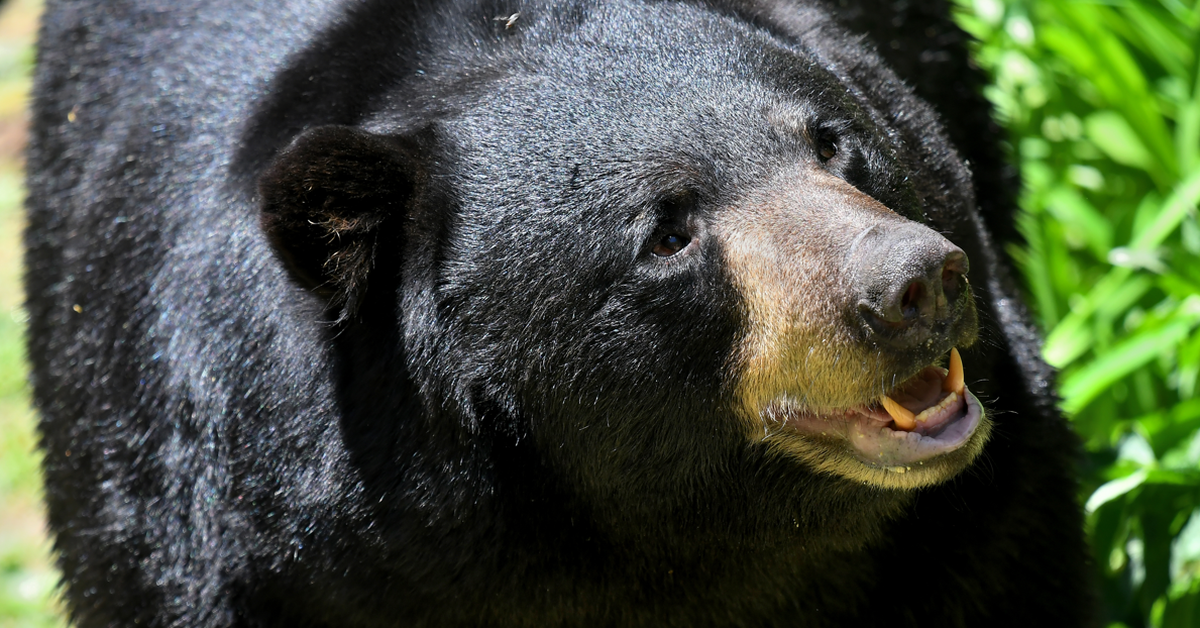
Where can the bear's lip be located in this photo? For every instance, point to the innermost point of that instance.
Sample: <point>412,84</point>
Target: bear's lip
<point>944,421</point>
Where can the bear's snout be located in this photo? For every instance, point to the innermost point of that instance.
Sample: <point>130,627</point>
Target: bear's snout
<point>910,283</point>
<point>843,296</point>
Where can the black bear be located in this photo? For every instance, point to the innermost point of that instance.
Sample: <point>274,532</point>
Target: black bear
<point>533,313</point>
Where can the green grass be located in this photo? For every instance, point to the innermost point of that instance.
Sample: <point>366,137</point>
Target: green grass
<point>1103,103</point>
<point>27,579</point>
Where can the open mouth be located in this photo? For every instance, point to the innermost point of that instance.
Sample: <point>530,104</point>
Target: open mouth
<point>928,415</point>
<point>926,402</point>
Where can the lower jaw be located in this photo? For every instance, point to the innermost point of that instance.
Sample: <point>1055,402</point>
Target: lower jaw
<point>893,449</point>
<point>878,449</point>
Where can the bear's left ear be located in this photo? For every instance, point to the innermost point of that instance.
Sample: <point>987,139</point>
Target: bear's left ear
<point>328,202</point>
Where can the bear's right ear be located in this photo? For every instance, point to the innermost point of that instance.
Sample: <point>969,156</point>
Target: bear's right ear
<point>327,201</point>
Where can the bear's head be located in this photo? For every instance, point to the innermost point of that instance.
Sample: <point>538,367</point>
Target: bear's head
<point>677,256</point>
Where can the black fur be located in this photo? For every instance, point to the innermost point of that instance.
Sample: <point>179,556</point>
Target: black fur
<point>342,314</point>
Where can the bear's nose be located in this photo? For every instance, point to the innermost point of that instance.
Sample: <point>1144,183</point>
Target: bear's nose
<point>911,283</point>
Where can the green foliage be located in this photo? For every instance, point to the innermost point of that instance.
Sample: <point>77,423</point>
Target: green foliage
<point>1103,104</point>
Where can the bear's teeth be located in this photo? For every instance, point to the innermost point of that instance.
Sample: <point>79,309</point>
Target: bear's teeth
<point>954,381</point>
<point>945,403</point>
<point>902,416</point>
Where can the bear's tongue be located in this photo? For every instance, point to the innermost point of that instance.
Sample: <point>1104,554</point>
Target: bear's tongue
<point>928,400</point>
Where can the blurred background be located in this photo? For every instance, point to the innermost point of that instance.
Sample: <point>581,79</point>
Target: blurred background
<point>1102,100</point>
<point>27,577</point>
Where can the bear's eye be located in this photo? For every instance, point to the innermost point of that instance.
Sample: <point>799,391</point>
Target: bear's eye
<point>826,148</point>
<point>670,244</point>
<point>674,231</point>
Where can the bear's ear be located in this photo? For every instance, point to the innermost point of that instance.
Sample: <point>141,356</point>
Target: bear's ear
<point>328,202</point>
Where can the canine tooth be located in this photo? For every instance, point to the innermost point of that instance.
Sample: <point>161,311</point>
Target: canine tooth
<point>954,378</point>
<point>902,416</point>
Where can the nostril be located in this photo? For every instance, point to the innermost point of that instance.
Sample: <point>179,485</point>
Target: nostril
<point>910,303</point>
<point>950,287</point>
<point>884,323</point>
<point>954,276</point>
<point>909,286</point>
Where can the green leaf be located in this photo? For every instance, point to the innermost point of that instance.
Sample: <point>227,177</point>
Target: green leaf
<point>1186,548</point>
<point>1187,129</point>
<point>1183,199</point>
<point>1098,56</point>
<point>1071,338</point>
<point>1178,285</point>
<point>1031,259</point>
<point>1174,477</point>
<point>1071,208</point>
<point>1115,488</point>
<point>1183,613</point>
<point>1136,449</point>
<point>1168,429</point>
<point>1082,385</point>
<point>1109,131</point>
<point>1125,297</point>
<point>1156,33</point>
<point>1188,367</point>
